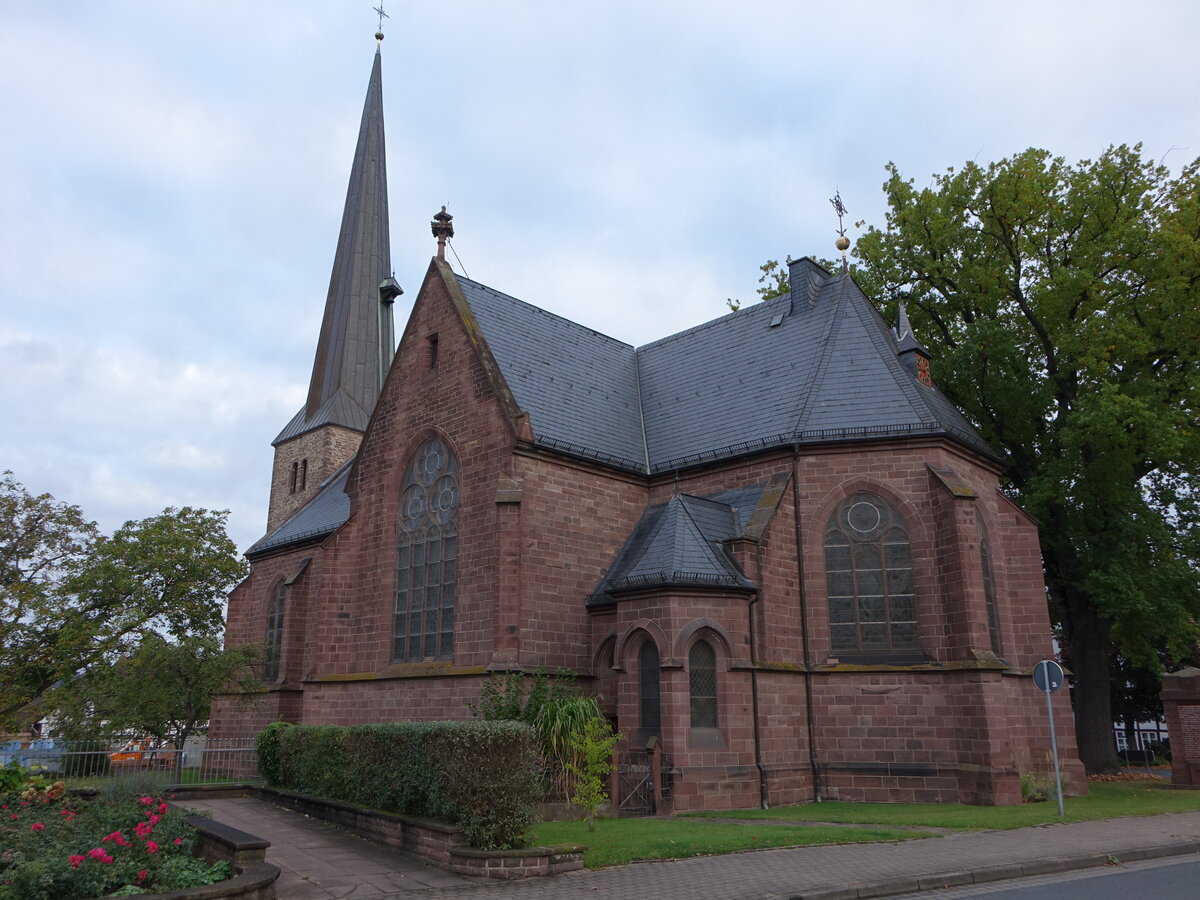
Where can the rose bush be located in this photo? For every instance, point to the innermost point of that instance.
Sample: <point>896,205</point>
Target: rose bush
<point>55,846</point>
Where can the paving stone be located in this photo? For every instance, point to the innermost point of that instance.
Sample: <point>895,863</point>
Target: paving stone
<point>836,872</point>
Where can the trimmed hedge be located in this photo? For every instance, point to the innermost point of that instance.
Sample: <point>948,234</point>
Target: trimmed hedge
<point>479,776</point>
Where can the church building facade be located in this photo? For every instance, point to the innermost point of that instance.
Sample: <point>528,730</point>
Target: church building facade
<point>768,544</point>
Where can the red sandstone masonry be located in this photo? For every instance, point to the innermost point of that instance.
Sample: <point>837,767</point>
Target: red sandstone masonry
<point>537,532</point>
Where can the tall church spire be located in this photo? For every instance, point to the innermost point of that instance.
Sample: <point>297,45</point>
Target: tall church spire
<point>356,342</point>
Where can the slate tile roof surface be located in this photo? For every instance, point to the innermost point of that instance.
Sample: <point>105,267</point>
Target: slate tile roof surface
<point>338,409</point>
<point>676,543</point>
<point>579,386</point>
<point>322,515</point>
<point>815,366</point>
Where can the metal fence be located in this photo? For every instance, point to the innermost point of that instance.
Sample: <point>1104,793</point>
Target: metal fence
<point>201,761</point>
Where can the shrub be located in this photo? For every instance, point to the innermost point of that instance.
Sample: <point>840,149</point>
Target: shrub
<point>479,775</point>
<point>489,774</point>
<point>266,743</point>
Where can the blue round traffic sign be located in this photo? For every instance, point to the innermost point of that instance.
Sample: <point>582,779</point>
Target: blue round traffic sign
<point>1048,676</point>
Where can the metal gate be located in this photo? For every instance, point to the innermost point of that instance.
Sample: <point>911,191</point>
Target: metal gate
<point>635,786</point>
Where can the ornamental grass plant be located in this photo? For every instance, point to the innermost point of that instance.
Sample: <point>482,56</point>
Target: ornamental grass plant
<point>59,846</point>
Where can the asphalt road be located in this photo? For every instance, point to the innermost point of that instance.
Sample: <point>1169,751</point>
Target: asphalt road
<point>1173,878</point>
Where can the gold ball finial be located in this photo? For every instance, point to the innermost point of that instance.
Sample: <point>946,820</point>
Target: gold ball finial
<point>379,35</point>
<point>842,243</point>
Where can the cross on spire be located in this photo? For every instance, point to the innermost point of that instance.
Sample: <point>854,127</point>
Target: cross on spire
<point>382,14</point>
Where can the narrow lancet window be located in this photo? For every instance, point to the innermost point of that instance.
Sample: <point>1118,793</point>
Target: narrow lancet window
<point>702,683</point>
<point>274,637</point>
<point>649,687</point>
<point>989,590</point>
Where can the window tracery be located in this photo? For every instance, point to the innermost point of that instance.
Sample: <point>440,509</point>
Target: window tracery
<point>427,556</point>
<point>868,566</point>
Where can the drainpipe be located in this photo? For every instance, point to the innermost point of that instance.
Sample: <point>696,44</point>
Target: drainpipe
<point>758,763</point>
<point>808,689</point>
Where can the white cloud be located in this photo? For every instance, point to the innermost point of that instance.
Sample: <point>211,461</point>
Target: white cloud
<point>171,177</point>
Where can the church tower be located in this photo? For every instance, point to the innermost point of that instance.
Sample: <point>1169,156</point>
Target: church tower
<point>357,339</point>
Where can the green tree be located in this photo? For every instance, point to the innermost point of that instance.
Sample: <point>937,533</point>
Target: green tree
<point>592,744</point>
<point>162,688</point>
<point>42,540</point>
<point>70,599</point>
<point>1062,304</point>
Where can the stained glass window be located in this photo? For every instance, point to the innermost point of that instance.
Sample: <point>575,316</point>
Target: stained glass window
<point>427,556</point>
<point>868,566</point>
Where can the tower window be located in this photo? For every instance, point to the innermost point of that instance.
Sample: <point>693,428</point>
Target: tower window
<point>868,566</point>
<point>433,351</point>
<point>427,556</point>
<point>299,479</point>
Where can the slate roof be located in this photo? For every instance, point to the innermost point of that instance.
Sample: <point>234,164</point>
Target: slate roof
<point>815,366</point>
<point>677,543</point>
<point>322,515</point>
<point>578,385</point>
<point>356,343</point>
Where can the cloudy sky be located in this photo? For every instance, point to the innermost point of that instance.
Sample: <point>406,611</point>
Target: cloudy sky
<point>172,175</point>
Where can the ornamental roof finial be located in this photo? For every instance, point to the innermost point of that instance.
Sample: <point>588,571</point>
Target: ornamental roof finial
<point>443,230</point>
<point>843,242</point>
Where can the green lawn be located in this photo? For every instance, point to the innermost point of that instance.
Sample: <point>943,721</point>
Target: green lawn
<point>619,841</point>
<point>1104,801</point>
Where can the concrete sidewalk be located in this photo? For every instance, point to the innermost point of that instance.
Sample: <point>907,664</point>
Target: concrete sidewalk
<point>318,861</point>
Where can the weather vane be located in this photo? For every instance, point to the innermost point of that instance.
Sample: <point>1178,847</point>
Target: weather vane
<point>382,14</point>
<point>843,242</point>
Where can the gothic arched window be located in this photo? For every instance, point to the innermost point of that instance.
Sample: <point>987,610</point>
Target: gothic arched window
<point>649,687</point>
<point>868,564</point>
<point>702,684</point>
<point>989,589</point>
<point>426,556</point>
<point>274,642</point>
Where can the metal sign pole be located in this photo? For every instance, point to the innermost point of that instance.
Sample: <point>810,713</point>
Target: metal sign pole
<point>1054,751</point>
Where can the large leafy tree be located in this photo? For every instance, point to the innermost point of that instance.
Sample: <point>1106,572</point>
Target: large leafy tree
<point>71,599</point>
<point>1062,304</point>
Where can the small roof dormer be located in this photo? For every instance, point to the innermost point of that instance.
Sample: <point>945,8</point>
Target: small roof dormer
<point>912,352</point>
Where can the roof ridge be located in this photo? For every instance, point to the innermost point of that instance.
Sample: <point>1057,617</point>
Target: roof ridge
<point>745,310</point>
<point>637,384</point>
<point>832,327</point>
<point>712,554</point>
<point>545,312</point>
<point>882,335</point>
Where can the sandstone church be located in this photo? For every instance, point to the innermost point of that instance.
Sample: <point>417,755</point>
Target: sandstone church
<point>768,544</point>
